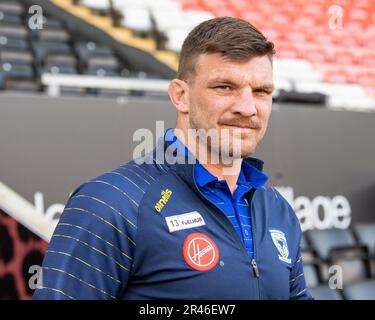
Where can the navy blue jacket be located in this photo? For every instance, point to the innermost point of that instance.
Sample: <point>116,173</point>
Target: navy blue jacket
<point>114,240</point>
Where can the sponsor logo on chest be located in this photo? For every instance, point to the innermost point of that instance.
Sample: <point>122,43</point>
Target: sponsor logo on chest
<point>184,221</point>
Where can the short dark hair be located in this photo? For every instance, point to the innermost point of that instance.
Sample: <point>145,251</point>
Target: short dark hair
<point>234,38</point>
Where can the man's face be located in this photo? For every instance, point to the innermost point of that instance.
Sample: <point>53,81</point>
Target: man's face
<point>234,96</point>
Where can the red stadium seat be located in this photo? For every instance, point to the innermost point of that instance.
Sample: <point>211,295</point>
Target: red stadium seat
<point>302,30</point>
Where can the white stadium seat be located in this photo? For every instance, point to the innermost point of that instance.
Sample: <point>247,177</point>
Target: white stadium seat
<point>137,18</point>
<point>97,4</point>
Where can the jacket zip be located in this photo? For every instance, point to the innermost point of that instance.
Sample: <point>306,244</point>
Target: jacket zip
<point>253,261</point>
<point>228,222</point>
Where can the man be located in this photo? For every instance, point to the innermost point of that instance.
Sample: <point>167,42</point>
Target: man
<point>174,229</point>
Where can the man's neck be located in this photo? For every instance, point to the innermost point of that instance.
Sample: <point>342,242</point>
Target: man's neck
<point>229,173</point>
<point>223,171</point>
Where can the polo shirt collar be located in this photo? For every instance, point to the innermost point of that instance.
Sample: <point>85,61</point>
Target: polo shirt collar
<point>251,169</point>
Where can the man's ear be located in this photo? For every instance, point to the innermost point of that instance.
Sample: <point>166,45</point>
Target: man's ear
<point>178,92</point>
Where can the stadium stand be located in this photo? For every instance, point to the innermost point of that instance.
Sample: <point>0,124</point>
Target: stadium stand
<point>312,56</point>
<point>318,61</point>
<point>26,54</point>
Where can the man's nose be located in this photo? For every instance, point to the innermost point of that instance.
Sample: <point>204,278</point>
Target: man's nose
<point>245,103</point>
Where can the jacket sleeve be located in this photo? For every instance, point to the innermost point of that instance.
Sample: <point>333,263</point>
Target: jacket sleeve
<point>298,287</point>
<point>90,253</point>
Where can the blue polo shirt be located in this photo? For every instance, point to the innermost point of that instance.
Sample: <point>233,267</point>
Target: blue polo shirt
<point>218,193</point>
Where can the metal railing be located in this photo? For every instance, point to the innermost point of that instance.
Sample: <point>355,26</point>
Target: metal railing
<point>54,83</point>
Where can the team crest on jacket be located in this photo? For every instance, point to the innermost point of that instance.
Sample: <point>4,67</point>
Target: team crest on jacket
<point>279,240</point>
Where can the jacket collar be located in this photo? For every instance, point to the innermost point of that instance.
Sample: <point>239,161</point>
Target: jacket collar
<point>176,156</point>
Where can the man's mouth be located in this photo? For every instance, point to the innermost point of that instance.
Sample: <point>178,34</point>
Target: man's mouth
<point>242,127</point>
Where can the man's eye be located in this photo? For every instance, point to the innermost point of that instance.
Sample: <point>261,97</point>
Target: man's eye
<point>223,88</point>
<point>262,91</point>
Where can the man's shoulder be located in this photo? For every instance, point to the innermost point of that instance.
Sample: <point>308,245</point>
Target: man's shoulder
<point>129,182</point>
<point>269,196</point>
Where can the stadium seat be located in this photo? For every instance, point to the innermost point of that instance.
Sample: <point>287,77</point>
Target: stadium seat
<point>91,49</point>
<point>194,17</point>
<point>106,63</point>
<point>366,235</point>
<point>364,290</point>
<point>65,63</point>
<point>338,247</point>
<point>323,292</point>
<point>166,20</point>
<point>14,76</point>
<point>53,35</point>
<point>12,7</point>
<point>324,240</point>
<point>9,19</point>
<point>44,48</point>
<point>17,70</point>
<point>99,5</point>
<point>311,275</point>
<point>309,255</point>
<point>9,43</point>
<point>100,72</point>
<point>53,24</point>
<point>176,38</point>
<point>353,263</point>
<point>137,19</point>
<point>296,70</point>
<point>16,56</point>
<point>15,32</point>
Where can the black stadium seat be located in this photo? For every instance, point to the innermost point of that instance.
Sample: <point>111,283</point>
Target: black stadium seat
<point>323,292</point>
<point>66,64</point>
<point>43,48</point>
<point>61,59</point>
<point>16,56</point>
<point>17,76</point>
<point>15,32</point>
<point>311,275</point>
<point>102,72</point>
<point>91,49</point>
<point>17,70</point>
<point>53,24</point>
<point>364,290</point>
<point>339,247</point>
<point>10,19</point>
<point>353,261</point>
<point>12,7</point>
<point>10,43</point>
<point>324,240</point>
<point>365,234</point>
<point>59,69</point>
<point>53,35</point>
<point>107,63</point>
<point>309,255</point>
